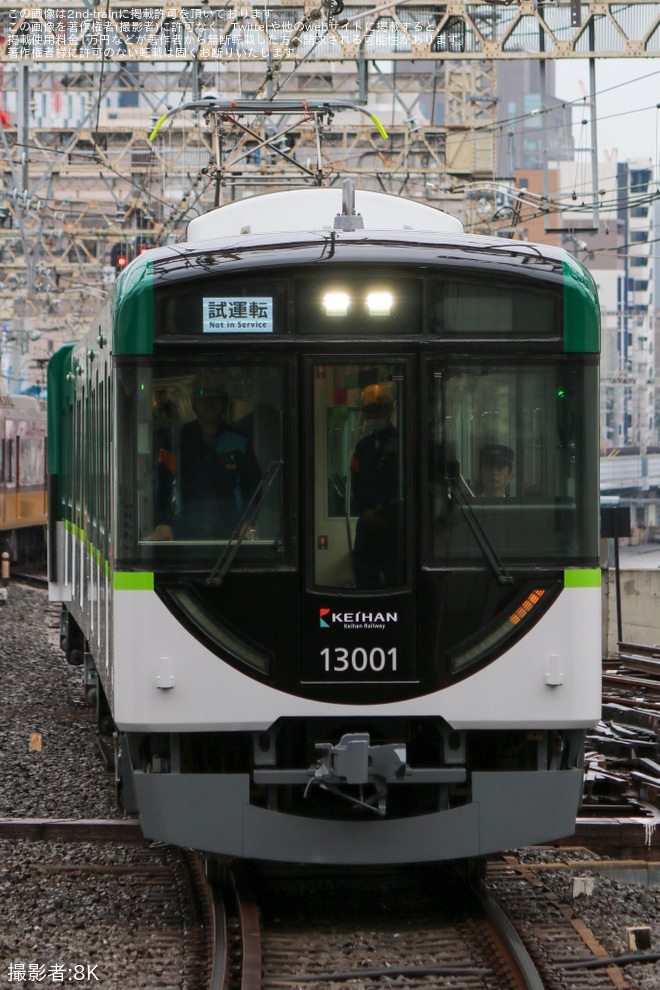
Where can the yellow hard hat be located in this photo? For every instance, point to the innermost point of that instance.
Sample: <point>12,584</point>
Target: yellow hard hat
<point>376,395</point>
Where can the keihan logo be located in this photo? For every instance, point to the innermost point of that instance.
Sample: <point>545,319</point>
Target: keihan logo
<point>356,620</point>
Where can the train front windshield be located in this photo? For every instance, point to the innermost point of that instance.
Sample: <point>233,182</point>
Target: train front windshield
<point>477,463</point>
<point>272,398</point>
<point>513,463</point>
<point>206,471</point>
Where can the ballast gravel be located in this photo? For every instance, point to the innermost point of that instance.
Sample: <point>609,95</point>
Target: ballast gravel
<point>61,922</point>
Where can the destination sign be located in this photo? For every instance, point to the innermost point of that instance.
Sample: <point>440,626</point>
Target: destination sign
<point>226,314</point>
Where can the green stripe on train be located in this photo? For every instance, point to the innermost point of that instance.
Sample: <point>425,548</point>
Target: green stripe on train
<point>587,578</point>
<point>133,581</point>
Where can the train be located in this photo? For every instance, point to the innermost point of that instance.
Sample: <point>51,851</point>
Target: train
<point>23,468</point>
<point>324,524</point>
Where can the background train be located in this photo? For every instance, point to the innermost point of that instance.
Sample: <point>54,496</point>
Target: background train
<point>23,503</point>
<point>324,524</point>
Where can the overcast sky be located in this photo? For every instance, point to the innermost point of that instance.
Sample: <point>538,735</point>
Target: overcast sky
<point>627,102</point>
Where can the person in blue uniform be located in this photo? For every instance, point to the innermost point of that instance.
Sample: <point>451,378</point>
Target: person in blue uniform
<point>375,494</point>
<point>215,474</point>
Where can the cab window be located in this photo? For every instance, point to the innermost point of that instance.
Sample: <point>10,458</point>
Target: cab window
<point>207,469</point>
<point>512,463</point>
<point>359,488</point>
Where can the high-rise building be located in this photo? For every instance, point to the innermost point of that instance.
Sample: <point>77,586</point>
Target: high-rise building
<point>526,136</point>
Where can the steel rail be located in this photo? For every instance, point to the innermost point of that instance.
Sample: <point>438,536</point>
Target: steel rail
<point>220,971</point>
<point>521,959</point>
<point>250,928</point>
<point>71,830</point>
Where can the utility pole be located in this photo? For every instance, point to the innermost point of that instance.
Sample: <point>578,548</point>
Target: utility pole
<point>23,124</point>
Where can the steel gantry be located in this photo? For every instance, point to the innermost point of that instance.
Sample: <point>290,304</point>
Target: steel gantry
<point>287,32</point>
<point>82,84</point>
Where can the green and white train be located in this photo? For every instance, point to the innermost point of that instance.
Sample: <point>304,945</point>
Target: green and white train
<point>315,631</point>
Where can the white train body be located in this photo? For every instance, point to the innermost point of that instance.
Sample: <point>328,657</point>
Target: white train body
<point>319,631</point>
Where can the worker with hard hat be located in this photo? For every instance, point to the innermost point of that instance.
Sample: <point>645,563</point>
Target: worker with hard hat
<point>375,492</point>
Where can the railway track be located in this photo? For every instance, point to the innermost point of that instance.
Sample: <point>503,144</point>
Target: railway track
<point>259,928</point>
<point>565,952</point>
<point>416,929</point>
<point>34,575</point>
<point>411,928</point>
<point>147,911</point>
<point>301,930</point>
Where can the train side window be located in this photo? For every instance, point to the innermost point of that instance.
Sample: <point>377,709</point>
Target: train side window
<point>31,454</point>
<point>359,487</point>
<point>10,461</point>
<point>77,496</point>
<point>71,471</point>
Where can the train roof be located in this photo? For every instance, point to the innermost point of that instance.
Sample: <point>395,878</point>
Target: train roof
<point>296,228</point>
<point>448,249</point>
<point>22,407</point>
<point>312,209</point>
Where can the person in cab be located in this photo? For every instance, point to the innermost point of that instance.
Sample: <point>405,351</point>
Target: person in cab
<point>495,470</point>
<point>375,492</point>
<point>215,474</point>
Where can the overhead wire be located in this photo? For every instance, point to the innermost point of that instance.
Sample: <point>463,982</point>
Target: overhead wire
<point>343,22</point>
<point>509,122</point>
<point>566,105</point>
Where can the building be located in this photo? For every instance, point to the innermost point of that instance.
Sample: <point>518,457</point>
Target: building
<point>527,136</point>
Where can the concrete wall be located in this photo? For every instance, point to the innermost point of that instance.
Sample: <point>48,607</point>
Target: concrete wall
<point>640,608</point>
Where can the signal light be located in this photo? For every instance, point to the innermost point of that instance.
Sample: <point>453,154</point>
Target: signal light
<point>125,251</point>
<point>119,257</point>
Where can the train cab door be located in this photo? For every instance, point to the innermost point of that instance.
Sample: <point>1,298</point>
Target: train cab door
<point>359,624</point>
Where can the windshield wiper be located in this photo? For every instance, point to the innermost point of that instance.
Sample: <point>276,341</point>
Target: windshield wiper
<point>224,561</point>
<point>454,483</point>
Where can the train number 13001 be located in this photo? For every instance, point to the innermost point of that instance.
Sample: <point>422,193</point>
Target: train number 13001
<point>359,660</point>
